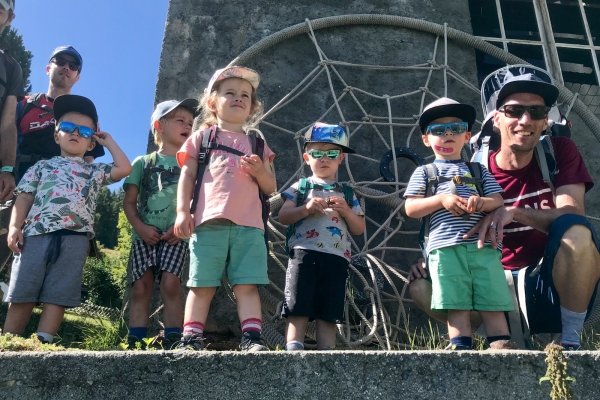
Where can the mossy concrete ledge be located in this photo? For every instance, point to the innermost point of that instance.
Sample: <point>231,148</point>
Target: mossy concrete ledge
<point>281,375</point>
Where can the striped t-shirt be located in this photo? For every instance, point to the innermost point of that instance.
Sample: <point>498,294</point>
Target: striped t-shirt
<point>446,229</point>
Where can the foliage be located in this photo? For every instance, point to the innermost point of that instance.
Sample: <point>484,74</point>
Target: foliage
<point>124,239</point>
<point>556,374</point>
<point>105,280</point>
<point>9,342</point>
<point>11,41</point>
<point>108,206</point>
<point>105,335</point>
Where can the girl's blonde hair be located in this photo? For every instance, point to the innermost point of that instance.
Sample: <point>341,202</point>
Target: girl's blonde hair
<point>172,114</point>
<point>209,117</point>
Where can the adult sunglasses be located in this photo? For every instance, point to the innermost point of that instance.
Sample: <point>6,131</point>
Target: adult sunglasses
<point>61,62</point>
<point>318,154</point>
<point>517,111</point>
<point>457,128</point>
<point>69,127</point>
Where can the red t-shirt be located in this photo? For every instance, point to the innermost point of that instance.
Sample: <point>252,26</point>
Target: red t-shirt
<point>523,245</point>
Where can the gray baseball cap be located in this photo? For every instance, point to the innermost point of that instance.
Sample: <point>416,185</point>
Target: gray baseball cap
<point>8,4</point>
<point>166,107</point>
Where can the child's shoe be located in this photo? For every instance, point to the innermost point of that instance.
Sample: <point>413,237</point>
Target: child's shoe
<point>132,343</point>
<point>189,342</point>
<point>169,341</point>
<point>294,345</point>
<point>571,346</point>
<point>504,345</point>
<point>251,342</point>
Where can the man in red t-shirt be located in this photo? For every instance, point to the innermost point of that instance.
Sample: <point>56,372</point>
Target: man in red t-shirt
<point>543,234</point>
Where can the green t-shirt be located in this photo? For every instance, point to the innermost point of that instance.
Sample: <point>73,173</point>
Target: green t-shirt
<point>161,207</point>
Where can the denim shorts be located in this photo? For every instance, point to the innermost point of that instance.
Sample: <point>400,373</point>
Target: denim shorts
<point>218,244</point>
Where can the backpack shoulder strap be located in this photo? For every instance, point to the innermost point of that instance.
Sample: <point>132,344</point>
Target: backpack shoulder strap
<point>475,169</point>
<point>348,194</point>
<point>149,163</point>
<point>544,155</point>
<point>209,141</point>
<point>431,182</point>
<point>303,187</point>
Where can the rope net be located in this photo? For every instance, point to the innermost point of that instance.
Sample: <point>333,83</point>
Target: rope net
<point>376,300</point>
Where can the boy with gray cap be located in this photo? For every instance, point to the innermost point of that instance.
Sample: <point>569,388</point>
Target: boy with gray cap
<point>150,205</point>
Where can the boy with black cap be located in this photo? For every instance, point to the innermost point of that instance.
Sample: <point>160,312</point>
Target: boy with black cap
<point>57,203</point>
<point>464,277</point>
<point>315,285</point>
<point>150,205</point>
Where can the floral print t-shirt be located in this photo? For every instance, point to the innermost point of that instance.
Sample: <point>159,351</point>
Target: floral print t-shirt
<point>65,190</point>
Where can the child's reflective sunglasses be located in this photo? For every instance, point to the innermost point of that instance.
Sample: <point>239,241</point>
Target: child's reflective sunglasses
<point>317,154</point>
<point>457,128</point>
<point>61,62</point>
<point>517,111</point>
<point>69,127</point>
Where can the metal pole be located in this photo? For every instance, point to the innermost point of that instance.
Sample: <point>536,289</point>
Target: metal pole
<point>445,59</point>
<point>590,41</point>
<point>501,22</point>
<point>547,36</point>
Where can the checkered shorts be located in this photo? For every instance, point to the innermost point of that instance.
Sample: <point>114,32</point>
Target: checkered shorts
<point>162,256</point>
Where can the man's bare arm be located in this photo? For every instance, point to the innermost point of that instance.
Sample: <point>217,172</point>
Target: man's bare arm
<point>8,146</point>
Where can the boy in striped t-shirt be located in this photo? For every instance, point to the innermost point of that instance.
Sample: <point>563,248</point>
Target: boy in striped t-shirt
<point>464,277</point>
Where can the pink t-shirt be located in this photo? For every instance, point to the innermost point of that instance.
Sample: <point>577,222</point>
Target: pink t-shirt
<point>522,245</point>
<point>227,191</point>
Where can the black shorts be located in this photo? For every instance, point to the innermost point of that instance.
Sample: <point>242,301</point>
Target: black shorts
<point>315,286</point>
<point>542,300</point>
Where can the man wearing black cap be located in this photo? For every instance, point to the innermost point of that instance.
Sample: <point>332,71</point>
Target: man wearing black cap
<point>549,245</point>
<point>35,117</point>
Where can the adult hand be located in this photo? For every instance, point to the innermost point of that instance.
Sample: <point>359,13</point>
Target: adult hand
<point>149,234</point>
<point>15,239</point>
<point>170,237</point>
<point>7,186</point>
<point>491,227</point>
<point>418,270</point>
<point>455,204</point>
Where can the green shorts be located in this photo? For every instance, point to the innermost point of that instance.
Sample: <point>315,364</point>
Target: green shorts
<point>219,243</point>
<point>464,277</point>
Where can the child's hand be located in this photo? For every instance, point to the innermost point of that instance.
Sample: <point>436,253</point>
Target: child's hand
<point>340,205</point>
<point>316,205</point>
<point>170,237</point>
<point>455,204</point>
<point>253,165</point>
<point>149,234</point>
<point>475,204</point>
<point>15,239</point>
<point>184,225</point>
<point>103,138</point>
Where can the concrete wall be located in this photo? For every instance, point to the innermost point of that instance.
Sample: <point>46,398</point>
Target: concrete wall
<point>310,375</point>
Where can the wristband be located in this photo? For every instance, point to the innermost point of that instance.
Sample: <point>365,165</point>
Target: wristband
<point>8,169</point>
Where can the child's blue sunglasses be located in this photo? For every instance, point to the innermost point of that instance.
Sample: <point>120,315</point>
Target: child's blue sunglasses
<point>317,154</point>
<point>69,127</point>
<point>457,128</point>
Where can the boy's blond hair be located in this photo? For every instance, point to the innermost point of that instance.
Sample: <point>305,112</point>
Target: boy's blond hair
<point>172,114</point>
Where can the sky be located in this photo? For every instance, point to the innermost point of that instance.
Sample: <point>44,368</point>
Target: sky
<point>120,42</point>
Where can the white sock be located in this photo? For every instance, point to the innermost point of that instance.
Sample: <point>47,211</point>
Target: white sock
<point>45,337</point>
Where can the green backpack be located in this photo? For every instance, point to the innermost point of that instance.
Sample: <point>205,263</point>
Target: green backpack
<point>303,187</point>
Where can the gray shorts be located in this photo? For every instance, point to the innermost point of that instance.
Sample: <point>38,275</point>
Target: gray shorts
<point>49,270</point>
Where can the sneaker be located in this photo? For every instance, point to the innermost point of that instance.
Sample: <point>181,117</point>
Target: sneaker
<point>503,345</point>
<point>189,342</point>
<point>132,343</point>
<point>251,342</point>
<point>169,340</point>
<point>571,346</point>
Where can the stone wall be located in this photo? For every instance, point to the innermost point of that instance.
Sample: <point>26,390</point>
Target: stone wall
<point>272,375</point>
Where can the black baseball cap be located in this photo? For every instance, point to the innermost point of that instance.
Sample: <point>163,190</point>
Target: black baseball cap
<point>73,103</point>
<point>528,83</point>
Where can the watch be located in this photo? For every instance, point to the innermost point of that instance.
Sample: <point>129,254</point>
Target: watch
<point>8,169</point>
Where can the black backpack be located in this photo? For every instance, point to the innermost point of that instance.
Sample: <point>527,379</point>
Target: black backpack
<point>209,143</point>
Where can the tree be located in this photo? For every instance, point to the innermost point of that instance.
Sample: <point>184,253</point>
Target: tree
<point>108,206</point>
<point>11,41</point>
